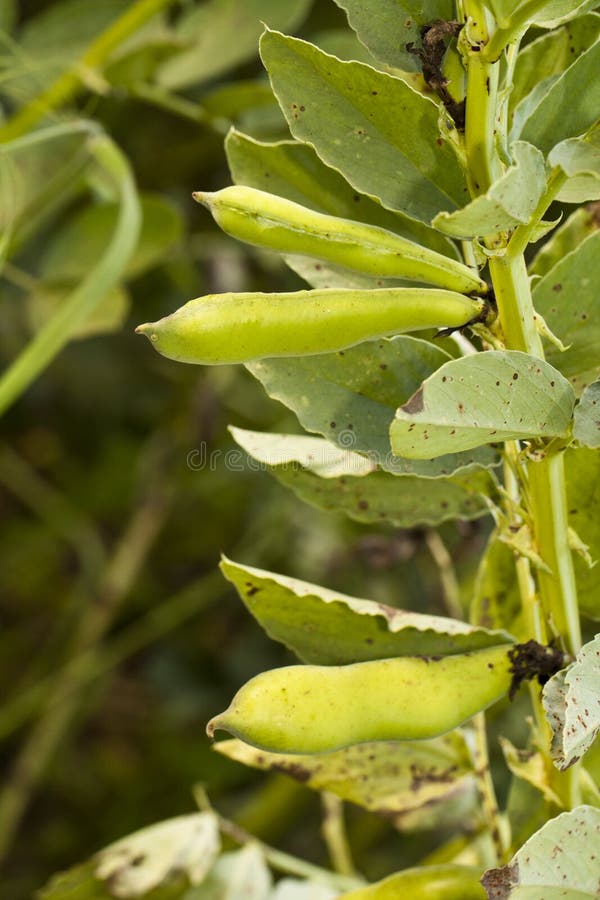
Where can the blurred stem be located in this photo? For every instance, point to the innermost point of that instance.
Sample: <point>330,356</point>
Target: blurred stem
<point>486,787</point>
<point>447,573</point>
<point>274,807</point>
<point>42,742</point>
<point>69,83</point>
<point>95,662</point>
<point>334,834</point>
<point>81,302</point>
<point>179,106</point>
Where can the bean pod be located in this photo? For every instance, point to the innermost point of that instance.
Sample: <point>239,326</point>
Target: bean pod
<point>236,328</point>
<point>266,220</point>
<point>315,709</point>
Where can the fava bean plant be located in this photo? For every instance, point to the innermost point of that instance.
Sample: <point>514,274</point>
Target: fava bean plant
<point>439,200</point>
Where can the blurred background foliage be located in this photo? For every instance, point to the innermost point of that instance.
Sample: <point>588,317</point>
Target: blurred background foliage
<point>119,483</point>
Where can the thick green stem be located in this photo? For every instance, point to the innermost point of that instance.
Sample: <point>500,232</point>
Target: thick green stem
<point>480,125</point>
<point>515,307</point>
<point>548,500</point>
<point>513,28</point>
<point>68,84</point>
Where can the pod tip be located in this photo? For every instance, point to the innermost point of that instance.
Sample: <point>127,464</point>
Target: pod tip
<point>147,329</point>
<point>203,197</point>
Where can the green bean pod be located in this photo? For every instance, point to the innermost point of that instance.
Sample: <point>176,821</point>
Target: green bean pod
<point>315,709</point>
<point>235,328</point>
<point>266,220</point>
<point>443,882</point>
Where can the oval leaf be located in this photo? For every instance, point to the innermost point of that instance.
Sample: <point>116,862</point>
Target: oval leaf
<point>579,226</point>
<point>342,481</point>
<point>572,704</point>
<point>354,395</point>
<point>385,777</point>
<point>330,628</point>
<point>493,396</point>
<point>586,425</point>
<point>350,112</point>
<point>559,860</point>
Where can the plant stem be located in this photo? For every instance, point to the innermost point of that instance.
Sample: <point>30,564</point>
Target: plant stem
<point>482,79</point>
<point>67,85</point>
<point>334,834</point>
<point>445,567</point>
<point>523,234</point>
<point>549,507</point>
<point>511,31</point>
<point>486,787</point>
<point>515,307</point>
<point>179,106</point>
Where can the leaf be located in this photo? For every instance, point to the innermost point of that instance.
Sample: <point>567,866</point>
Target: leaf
<point>329,628</point>
<point>294,171</point>
<point>387,26</point>
<point>582,469</point>
<point>510,201</point>
<point>107,317</point>
<point>493,396</point>
<point>207,30</point>
<point>383,777</point>
<point>530,766</point>
<point>571,701</point>
<point>551,54</point>
<point>75,248</point>
<point>567,298</point>
<point>444,882</point>
<point>580,225</point>
<point>586,424</point>
<point>239,875</point>
<point>579,158</point>
<point>350,112</point>
<point>561,858</point>
<point>148,858</point>
<point>556,117</point>
<point>356,392</point>
<point>496,599</point>
<point>343,481</point>
<point>555,12</point>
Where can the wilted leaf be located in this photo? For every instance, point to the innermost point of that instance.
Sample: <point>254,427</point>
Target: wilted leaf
<point>383,777</point>
<point>350,112</point>
<point>530,766</point>
<point>239,875</point>
<point>493,396</point>
<point>330,628</point>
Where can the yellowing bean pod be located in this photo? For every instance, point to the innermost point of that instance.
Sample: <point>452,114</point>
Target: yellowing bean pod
<point>235,328</point>
<point>445,882</point>
<point>315,709</point>
<point>266,220</point>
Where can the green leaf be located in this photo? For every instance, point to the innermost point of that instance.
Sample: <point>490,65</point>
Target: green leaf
<point>580,225</point>
<point>586,425</point>
<point>583,492</point>
<point>75,248</point>
<point>294,171</point>
<point>444,882</point>
<point>579,158</point>
<point>556,117</point>
<point>555,12</point>
<point>567,298</point>
<point>383,777</point>
<point>343,43</point>
<point>107,317</point>
<point>571,705</point>
<point>510,201</point>
<point>329,628</point>
<point>356,392</point>
<point>551,54</point>
<point>350,113</point>
<point>560,860</point>
<point>207,31</point>
<point>342,481</point>
<point>387,26</point>
<point>493,396</point>
<point>8,15</point>
<point>496,599</point>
